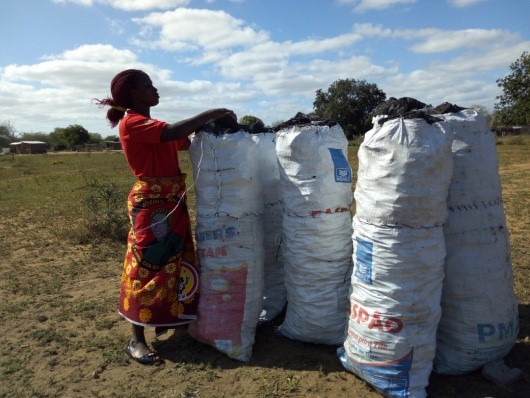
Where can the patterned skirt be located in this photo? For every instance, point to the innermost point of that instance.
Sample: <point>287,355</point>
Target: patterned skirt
<point>159,282</point>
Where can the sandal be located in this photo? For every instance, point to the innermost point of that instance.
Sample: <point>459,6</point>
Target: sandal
<point>151,358</point>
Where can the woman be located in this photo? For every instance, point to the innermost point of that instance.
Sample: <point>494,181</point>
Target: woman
<point>160,273</point>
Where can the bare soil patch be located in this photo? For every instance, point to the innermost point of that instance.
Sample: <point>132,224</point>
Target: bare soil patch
<point>62,335</point>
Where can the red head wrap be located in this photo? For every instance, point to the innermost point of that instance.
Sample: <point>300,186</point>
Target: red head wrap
<point>120,89</point>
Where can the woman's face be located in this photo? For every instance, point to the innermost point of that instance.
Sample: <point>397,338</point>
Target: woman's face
<point>159,226</point>
<point>145,93</point>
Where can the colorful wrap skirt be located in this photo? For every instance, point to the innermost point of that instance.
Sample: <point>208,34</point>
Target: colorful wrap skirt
<point>160,278</point>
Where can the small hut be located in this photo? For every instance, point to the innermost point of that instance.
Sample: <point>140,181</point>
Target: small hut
<point>29,147</point>
<point>112,145</point>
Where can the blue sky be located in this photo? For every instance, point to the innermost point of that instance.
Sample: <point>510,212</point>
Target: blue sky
<point>265,58</point>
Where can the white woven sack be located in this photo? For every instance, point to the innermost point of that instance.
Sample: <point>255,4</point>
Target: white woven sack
<point>226,173</point>
<point>317,259</point>
<point>405,167</point>
<point>475,192</point>
<point>479,320</point>
<point>274,295</point>
<point>268,166</point>
<point>231,292</point>
<point>394,307</point>
<point>315,175</point>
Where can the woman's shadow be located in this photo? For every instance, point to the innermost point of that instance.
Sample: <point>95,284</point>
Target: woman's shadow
<point>270,350</point>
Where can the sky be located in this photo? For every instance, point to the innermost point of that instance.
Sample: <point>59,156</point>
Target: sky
<point>265,58</point>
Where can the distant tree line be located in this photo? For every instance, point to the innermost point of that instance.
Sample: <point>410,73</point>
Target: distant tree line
<point>59,139</point>
<point>349,102</point>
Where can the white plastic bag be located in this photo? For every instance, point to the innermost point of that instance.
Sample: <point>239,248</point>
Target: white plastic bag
<point>274,294</point>
<point>226,174</point>
<point>229,235</point>
<point>317,258</point>
<point>315,191</point>
<point>404,171</point>
<point>405,167</point>
<point>394,307</point>
<point>479,320</point>
<point>315,176</point>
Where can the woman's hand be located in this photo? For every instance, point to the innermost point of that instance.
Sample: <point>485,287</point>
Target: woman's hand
<point>221,113</point>
<point>186,127</point>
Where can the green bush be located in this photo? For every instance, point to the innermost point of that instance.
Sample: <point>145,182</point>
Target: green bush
<point>105,215</point>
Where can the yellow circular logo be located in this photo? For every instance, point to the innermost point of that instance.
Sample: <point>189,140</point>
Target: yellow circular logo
<point>188,281</point>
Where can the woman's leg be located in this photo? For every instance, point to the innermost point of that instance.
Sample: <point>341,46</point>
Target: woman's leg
<point>138,335</point>
<point>137,347</point>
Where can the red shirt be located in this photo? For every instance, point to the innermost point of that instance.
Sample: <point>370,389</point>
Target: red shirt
<point>146,155</point>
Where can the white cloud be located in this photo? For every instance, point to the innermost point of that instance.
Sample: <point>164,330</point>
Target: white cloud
<point>96,53</point>
<point>264,59</point>
<point>80,2</point>
<point>281,109</point>
<point>191,29</point>
<point>437,86</point>
<point>239,66</point>
<point>492,59</point>
<point>116,26</point>
<point>59,90</point>
<point>74,68</point>
<point>276,71</point>
<point>371,30</point>
<point>130,5</point>
<point>313,46</point>
<point>437,40</point>
<point>365,5</point>
<point>464,3</point>
<point>474,74</point>
<point>434,40</point>
<point>239,52</point>
<point>306,78</point>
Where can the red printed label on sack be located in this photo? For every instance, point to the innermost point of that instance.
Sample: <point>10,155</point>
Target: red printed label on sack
<point>375,320</point>
<point>214,252</point>
<point>222,305</point>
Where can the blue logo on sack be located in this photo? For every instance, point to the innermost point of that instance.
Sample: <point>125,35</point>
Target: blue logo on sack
<point>342,167</point>
<point>363,263</point>
<point>392,379</point>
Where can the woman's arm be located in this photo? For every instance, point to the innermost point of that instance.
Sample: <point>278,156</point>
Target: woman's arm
<point>184,128</point>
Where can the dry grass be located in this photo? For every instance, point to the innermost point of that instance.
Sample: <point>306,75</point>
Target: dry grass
<point>62,336</point>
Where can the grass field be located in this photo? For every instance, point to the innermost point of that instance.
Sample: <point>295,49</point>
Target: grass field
<point>62,336</point>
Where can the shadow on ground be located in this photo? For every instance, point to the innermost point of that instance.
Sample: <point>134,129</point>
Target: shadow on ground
<point>271,350</point>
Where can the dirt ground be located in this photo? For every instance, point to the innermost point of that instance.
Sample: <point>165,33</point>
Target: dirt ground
<point>62,337</point>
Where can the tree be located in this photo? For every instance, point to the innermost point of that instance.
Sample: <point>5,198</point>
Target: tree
<point>514,103</point>
<point>349,103</point>
<point>70,136</point>
<point>35,137</point>
<point>7,134</point>
<point>95,138</point>
<point>255,124</point>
